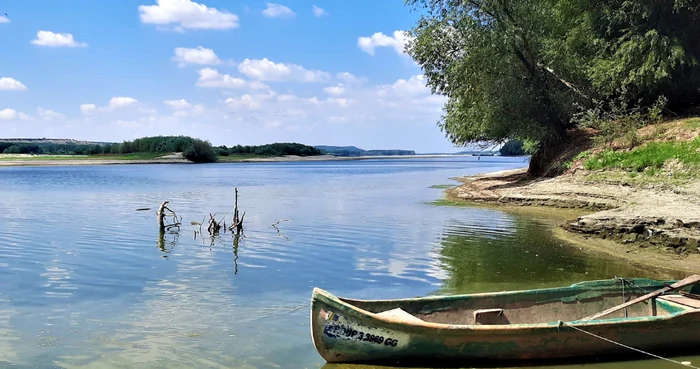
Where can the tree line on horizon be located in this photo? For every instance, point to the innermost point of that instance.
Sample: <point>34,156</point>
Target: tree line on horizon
<point>536,70</point>
<point>196,150</point>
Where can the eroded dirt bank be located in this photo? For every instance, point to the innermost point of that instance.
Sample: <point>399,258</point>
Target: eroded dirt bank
<point>643,220</point>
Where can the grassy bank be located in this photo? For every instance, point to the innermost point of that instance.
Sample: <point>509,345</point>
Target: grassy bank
<point>134,156</point>
<point>664,152</point>
<point>238,158</point>
<point>639,190</point>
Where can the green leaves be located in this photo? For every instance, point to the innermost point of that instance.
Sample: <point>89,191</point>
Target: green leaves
<point>521,69</point>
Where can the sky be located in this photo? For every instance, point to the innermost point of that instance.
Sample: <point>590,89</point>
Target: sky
<point>319,72</point>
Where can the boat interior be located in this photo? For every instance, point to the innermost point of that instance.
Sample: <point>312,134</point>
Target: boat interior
<point>583,301</point>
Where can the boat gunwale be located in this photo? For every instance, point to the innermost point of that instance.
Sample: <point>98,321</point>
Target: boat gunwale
<point>347,305</point>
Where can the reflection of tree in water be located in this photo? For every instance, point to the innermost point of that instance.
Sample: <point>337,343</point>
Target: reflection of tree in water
<point>167,241</point>
<point>528,256</point>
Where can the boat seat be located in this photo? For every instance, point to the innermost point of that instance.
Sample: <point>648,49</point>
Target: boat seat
<point>490,317</point>
<point>399,315</point>
<point>682,300</point>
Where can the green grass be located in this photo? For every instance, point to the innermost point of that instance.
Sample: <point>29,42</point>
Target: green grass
<point>441,186</point>
<point>444,202</point>
<point>134,156</point>
<point>693,123</point>
<point>234,158</point>
<point>649,157</point>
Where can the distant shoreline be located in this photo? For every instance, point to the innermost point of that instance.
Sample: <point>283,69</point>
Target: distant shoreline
<point>23,161</point>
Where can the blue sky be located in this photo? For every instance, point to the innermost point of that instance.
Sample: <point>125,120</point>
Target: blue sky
<point>233,72</point>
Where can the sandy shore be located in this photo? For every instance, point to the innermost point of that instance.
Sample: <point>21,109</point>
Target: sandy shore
<point>27,160</point>
<point>21,160</point>
<point>655,224</point>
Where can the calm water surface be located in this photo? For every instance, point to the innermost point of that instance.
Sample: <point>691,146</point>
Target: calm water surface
<point>87,281</point>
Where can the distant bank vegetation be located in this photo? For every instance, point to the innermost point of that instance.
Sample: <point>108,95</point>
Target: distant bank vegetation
<point>513,148</point>
<point>193,149</point>
<point>356,151</point>
<point>274,149</point>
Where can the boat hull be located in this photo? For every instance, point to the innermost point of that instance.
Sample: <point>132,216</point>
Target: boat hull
<point>344,333</point>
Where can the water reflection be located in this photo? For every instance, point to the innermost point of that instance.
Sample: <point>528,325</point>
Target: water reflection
<point>89,290</point>
<point>519,252</point>
<point>167,241</point>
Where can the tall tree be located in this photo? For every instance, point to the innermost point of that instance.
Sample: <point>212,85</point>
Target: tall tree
<point>520,69</point>
<point>486,57</point>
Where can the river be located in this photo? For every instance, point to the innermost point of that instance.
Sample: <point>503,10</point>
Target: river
<point>87,281</point>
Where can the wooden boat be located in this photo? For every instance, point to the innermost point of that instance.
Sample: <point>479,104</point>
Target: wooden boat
<point>540,324</point>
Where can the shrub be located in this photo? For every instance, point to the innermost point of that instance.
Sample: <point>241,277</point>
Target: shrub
<point>200,152</point>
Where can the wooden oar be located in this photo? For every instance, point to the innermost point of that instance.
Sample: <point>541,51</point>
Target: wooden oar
<point>695,278</point>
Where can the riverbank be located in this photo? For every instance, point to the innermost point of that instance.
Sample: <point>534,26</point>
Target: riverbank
<point>8,160</point>
<point>644,222</point>
<point>649,216</point>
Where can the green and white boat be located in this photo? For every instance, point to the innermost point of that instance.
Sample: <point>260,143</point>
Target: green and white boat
<point>584,319</point>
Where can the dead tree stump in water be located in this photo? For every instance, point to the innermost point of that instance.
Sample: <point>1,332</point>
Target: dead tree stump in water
<point>162,213</point>
<point>214,226</point>
<point>237,222</point>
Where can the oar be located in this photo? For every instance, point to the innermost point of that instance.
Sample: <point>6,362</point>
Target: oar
<point>680,284</point>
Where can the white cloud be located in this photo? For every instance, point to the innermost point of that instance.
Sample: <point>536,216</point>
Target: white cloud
<point>8,114</point>
<point>87,109</point>
<point>178,104</point>
<point>397,42</point>
<point>209,77</point>
<point>184,108</point>
<point>338,101</point>
<point>406,100</point>
<point>51,39</point>
<point>4,19</point>
<point>416,85</point>
<point>349,77</point>
<point>121,102</point>
<point>147,110</point>
<point>249,101</point>
<point>184,14</point>
<point>7,83</point>
<point>198,109</point>
<point>246,100</point>
<point>266,70</point>
<point>200,55</point>
<point>335,90</point>
<point>23,116</point>
<point>257,85</point>
<point>277,11</point>
<point>50,115</point>
<point>318,12</point>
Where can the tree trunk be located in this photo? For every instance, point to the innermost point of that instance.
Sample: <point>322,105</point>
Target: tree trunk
<point>541,162</point>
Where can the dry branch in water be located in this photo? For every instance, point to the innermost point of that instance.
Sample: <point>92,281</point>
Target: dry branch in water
<point>237,223</point>
<point>214,226</point>
<point>163,212</point>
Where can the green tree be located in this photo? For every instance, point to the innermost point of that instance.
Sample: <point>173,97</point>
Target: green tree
<point>523,69</point>
<point>486,56</point>
<point>200,152</point>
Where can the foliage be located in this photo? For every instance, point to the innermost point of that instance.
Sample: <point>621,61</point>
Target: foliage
<point>274,149</point>
<point>693,123</point>
<point>618,122</point>
<point>652,155</point>
<point>523,69</point>
<point>23,149</point>
<point>356,151</point>
<point>37,146</point>
<point>192,149</point>
<point>199,152</point>
<point>512,148</point>
<point>156,144</point>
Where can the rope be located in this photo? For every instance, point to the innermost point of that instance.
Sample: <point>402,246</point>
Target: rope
<point>628,347</point>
